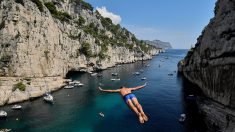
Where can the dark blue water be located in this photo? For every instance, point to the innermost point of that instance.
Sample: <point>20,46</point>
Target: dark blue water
<point>77,110</point>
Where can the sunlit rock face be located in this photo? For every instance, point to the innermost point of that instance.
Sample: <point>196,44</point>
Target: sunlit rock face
<point>211,65</point>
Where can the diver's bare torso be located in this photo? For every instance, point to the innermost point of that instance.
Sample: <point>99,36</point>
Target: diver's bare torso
<point>124,91</point>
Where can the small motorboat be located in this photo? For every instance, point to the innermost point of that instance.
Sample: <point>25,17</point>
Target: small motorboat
<point>119,65</point>
<point>16,107</point>
<point>191,97</point>
<point>74,82</point>
<point>48,98</point>
<point>166,57</point>
<point>148,65</point>
<point>3,114</point>
<point>136,73</point>
<point>182,117</point>
<point>115,79</point>
<point>141,70</point>
<point>94,74</point>
<point>114,74</point>
<point>143,78</point>
<point>101,114</point>
<point>68,87</point>
<point>79,84</point>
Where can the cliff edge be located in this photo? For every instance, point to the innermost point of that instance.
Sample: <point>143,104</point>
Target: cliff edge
<point>211,65</point>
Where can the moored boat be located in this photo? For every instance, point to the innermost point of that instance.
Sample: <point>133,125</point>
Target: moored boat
<point>48,98</point>
<point>3,114</point>
<point>16,107</point>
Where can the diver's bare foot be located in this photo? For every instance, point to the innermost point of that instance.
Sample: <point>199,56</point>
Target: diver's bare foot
<point>145,117</point>
<point>141,119</point>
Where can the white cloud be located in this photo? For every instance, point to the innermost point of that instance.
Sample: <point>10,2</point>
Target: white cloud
<point>116,19</point>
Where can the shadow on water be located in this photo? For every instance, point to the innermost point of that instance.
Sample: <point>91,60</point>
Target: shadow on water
<point>190,92</point>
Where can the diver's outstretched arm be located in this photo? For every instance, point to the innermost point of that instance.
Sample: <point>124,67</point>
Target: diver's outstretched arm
<point>110,91</point>
<point>138,87</point>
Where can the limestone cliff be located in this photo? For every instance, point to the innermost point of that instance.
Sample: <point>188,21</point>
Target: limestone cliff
<point>211,65</point>
<point>48,38</point>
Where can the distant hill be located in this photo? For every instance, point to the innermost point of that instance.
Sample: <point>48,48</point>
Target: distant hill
<point>159,43</point>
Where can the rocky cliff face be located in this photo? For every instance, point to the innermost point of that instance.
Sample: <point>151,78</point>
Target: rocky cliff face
<point>160,44</point>
<point>211,65</point>
<point>48,38</point>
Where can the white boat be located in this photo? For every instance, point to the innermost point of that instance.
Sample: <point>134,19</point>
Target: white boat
<point>3,114</point>
<point>48,98</point>
<point>74,82</point>
<point>143,78</point>
<point>114,74</point>
<point>68,87</point>
<point>136,73</point>
<point>182,117</point>
<point>101,114</point>
<point>115,79</point>
<point>16,107</point>
<point>79,84</point>
<point>141,70</point>
<point>94,74</point>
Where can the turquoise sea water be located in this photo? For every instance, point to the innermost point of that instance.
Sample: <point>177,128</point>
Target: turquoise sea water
<point>77,110</point>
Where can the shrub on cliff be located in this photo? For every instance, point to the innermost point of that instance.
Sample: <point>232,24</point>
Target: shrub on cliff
<point>83,4</point>
<point>20,2</point>
<point>19,86</point>
<point>86,49</point>
<point>39,4</point>
<point>62,16</point>
<point>81,21</point>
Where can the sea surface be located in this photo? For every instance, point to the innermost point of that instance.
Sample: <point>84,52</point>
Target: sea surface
<point>77,110</point>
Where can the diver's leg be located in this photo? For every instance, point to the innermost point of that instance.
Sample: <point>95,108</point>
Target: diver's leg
<point>139,107</point>
<point>132,106</point>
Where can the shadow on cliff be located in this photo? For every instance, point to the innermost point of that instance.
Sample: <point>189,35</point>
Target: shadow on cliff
<point>195,120</point>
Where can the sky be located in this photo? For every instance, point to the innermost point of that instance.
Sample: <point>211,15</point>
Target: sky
<point>179,22</point>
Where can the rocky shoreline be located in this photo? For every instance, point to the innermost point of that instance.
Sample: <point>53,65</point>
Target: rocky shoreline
<point>35,87</point>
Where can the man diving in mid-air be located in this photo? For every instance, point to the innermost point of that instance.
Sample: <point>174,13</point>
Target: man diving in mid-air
<point>131,100</point>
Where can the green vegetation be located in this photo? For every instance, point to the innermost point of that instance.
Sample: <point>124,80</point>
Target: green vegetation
<point>39,4</point>
<point>83,4</point>
<point>81,21</point>
<point>86,49</point>
<point>20,2</point>
<point>62,16</point>
<point>102,54</point>
<point>19,86</point>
